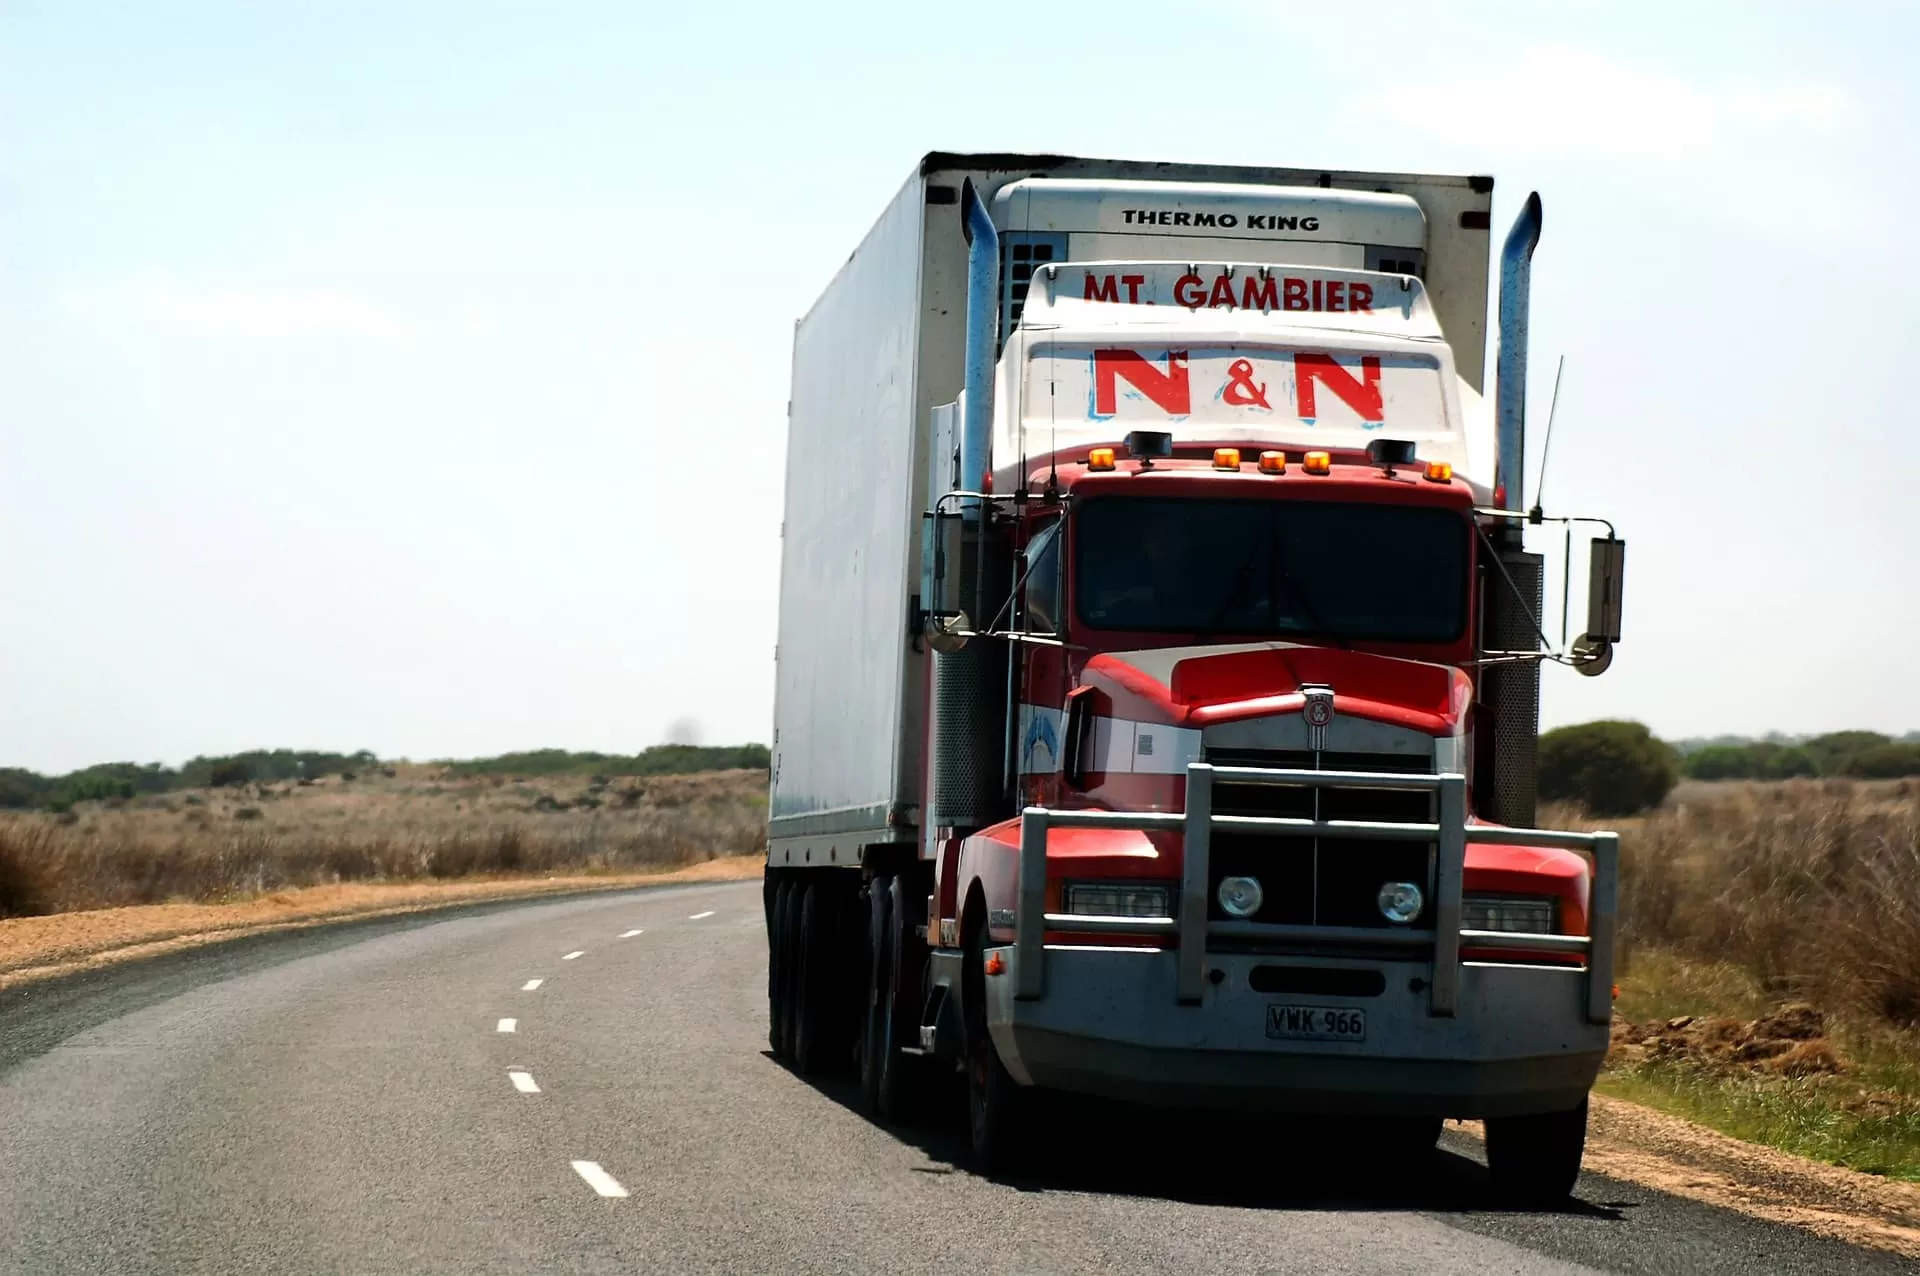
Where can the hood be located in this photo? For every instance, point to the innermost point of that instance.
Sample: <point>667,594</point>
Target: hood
<point>1199,686</point>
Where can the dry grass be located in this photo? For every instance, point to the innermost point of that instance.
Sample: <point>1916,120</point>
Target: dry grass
<point>1738,899</point>
<point>1810,888</point>
<point>418,823</point>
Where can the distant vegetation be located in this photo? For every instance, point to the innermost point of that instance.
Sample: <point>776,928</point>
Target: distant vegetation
<point>1620,768</point>
<point>661,759</point>
<point>121,781</point>
<point>1861,755</point>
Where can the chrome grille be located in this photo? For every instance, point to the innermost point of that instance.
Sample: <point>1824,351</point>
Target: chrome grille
<point>1327,881</point>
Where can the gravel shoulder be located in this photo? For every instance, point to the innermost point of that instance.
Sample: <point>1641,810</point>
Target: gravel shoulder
<point>38,948</point>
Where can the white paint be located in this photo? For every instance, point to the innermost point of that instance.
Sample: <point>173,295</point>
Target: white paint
<point>530,985</point>
<point>1121,746</point>
<point>598,1179</point>
<point>576,953</point>
<point>628,934</point>
<point>697,916</point>
<point>523,1082</point>
<point>508,1025</point>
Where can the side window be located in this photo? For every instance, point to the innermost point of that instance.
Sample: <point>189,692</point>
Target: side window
<point>1043,582</point>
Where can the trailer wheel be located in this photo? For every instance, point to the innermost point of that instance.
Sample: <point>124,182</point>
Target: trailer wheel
<point>811,962</point>
<point>874,1031</point>
<point>997,1105</point>
<point>1537,1158</point>
<point>776,964</point>
<point>789,967</point>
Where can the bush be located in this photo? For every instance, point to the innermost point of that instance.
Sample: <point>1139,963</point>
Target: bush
<point>1762,761</point>
<point>1611,768</point>
<point>24,856</point>
<point>1834,752</point>
<point>1885,762</point>
<point>229,774</point>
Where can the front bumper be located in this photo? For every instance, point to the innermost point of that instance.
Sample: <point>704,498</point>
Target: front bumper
<point>1111,1025</point>
<point>1183,1024</point>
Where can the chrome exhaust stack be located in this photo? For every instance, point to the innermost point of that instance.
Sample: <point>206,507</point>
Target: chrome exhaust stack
<point>1516,282</point>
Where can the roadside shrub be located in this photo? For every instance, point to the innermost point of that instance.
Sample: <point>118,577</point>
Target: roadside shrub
<point>1610,768</point>
<point>1834,752</point>
<point>1885,762</point>
<point>24,869</point>
<point>229,774</point>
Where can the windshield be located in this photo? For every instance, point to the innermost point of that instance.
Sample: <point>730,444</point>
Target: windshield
<point>1352,571</point>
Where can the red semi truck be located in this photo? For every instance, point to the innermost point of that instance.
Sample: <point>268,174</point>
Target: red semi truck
<point>1159,658</point>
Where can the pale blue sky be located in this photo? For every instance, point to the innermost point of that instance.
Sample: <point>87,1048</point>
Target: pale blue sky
<point>411,376</point>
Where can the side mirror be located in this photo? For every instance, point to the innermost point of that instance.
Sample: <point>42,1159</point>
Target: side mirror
<point>1593,650</point>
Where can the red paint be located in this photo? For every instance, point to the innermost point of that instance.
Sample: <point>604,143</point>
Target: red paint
<point>1362,393</point>
<point>1241,392</point>
<point>1169,390</point>
<point>1100,288</point>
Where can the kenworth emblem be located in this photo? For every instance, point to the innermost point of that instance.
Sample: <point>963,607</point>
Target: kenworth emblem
<point>1318,711</point>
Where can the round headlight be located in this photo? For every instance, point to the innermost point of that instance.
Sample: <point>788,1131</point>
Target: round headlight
<point>1240,896</point>
<point>1400,902</point>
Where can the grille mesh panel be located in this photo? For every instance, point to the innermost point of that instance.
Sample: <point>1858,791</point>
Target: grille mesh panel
<point>1320,881</point>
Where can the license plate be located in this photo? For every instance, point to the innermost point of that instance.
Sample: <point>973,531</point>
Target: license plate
<point>1316,1023</point>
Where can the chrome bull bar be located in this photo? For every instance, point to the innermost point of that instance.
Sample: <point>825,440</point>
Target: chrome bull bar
<point>1192,927</point>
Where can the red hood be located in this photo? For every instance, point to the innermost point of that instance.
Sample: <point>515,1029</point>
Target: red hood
<point>1196,686</point>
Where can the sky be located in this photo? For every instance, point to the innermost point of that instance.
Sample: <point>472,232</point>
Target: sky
<point>411,375</point>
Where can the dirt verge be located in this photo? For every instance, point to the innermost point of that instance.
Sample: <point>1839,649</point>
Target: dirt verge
<point>34,948</point>
<point>1639,1145</point>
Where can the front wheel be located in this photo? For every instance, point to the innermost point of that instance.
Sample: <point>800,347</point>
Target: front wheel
<point>1537,1158</point>
<point>998,1123</point>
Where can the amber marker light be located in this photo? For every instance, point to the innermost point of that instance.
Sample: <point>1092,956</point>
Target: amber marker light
<point>1226,458</point>
<point>1439,471</point>
<point>1273,462</point>
<point>1100,458</point>
<point>1317,463</point>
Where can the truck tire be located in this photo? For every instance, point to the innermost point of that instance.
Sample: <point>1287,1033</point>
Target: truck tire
<point>776,964</point>
<point>1536,1159</point>
<point>998,1127</point>
<point>873,1030</point>
<point>890,1081</point>
<point>789,967</point>
<point>812,961</point>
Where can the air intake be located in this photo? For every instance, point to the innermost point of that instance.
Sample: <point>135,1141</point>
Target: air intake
<point>1510,691</point>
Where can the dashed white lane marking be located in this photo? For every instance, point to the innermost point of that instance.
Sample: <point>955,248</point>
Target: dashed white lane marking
<point>530,985</point>
<point>508,1025</point>
<point>523,1082</point>
<point>697,916</point>
<point>598,1179</point>
<point>628,934</point>
<point>576,953</point>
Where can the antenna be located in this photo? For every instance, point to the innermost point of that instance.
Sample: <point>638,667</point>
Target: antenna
<point>1535,514</point>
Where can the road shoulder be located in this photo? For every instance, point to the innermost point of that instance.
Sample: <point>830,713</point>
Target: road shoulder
<point>33,949</point>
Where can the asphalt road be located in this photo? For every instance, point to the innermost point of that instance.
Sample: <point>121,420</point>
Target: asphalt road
<point>402,1097</point>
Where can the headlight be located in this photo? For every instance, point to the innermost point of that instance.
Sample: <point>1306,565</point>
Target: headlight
<point>1240,896</point>
<point>1525,914</point>
<point>1400,902</point>
<point>1118,899</point>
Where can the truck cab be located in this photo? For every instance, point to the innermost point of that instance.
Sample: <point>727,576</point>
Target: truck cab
<point>1233,650</point>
